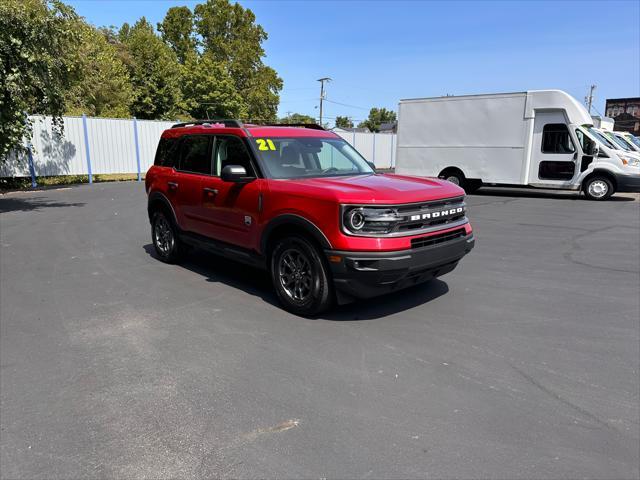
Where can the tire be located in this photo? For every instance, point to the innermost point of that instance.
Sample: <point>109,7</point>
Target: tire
<point>455,177</point>
<point>166,241</point>
<point>300,277</point>
<point>472,186</point>
<point>598,188</point>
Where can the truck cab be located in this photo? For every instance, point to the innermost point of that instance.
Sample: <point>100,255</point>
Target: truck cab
<point>540,138</point>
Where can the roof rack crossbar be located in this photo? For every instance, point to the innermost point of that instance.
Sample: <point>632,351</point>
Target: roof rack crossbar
<point>312,126</point>
<point>226,122</point>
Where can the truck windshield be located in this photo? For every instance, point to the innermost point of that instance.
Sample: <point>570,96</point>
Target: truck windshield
<point>618,142</point>
<point>310,157</point>
<point>602,139</point>
<point>635,140</point>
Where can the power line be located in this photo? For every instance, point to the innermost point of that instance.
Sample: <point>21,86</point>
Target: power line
<point>346,104</point>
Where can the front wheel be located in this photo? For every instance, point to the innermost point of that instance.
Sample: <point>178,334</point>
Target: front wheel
<point>598,188</point>
<point>300,277</point>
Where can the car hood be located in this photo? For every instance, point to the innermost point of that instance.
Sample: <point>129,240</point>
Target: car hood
<point>376,189</point>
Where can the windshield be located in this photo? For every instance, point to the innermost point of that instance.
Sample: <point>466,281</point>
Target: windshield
<point>627,141</point>
<point>635,140</point>
<point>602,139</point>
<point>310,157</point>
<point>619,142</point>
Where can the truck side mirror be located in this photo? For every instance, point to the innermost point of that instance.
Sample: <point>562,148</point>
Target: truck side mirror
<point>235,174</point>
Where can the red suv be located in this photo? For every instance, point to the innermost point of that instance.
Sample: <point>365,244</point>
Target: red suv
<point>304,204</point>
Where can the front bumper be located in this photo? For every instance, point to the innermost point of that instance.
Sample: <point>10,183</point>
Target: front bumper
<point>628,183</point>
<point>361,275</point>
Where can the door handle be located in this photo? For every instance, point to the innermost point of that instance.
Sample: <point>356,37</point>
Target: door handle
<point>172,185</point>
<point>211,192</point>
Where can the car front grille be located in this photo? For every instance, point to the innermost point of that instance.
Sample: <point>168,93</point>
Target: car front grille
<point>422,216</point>
<point>437,238</point>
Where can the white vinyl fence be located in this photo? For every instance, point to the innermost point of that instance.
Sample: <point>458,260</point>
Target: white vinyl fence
<point>93,146</point>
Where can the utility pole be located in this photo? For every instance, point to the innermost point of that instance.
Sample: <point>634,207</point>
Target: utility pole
<point>322,80</point>
<point>589,99</point>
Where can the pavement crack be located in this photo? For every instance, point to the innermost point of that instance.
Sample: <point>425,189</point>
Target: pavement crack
<point>564,401</point>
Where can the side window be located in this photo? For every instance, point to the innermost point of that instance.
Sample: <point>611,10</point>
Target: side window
<point>588,145</point>
<point>231,151</point>
<point>165,154</point>
<point>556,139</point>
<point>194,154</point>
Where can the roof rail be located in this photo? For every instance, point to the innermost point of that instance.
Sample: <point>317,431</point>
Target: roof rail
<point>312,126</point>
<point>211,121</point>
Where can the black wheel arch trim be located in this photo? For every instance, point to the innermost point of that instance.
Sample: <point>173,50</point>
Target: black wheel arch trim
<point>613,177</point>
<point>161,197</point>
<point>296,221</point>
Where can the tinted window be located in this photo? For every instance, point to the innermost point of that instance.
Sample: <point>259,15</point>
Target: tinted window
<point>194,154</point>
<point>556,139</point>
<point>165,153</point>
<point>231,151</point>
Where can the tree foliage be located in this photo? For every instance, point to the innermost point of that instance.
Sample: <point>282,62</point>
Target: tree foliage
<point>343,122</point>
<point>102,87</point>
<point>35,71</point>
<point>208,61</point>
<point>377,116</point>
<point>298,118</point>
<point>177,31</point>
<point>155,73</point>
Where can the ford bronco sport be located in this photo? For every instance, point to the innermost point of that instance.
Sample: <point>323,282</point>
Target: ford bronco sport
<point>304,204</point>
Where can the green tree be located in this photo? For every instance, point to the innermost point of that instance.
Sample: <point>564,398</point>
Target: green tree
<point>378,116</point>
<point>177,32</point>
<point>209,90</point>
<point>298,118</point>
<point>155,73</point>
<point>35,69</point>
<point>102,87</point>
<point>229,33</point>
<point>343,122</point>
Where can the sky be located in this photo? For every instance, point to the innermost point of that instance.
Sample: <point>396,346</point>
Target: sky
<point>378,52</point>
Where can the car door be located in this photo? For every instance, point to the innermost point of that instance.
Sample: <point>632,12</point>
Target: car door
<point>554,153</point>
<point>229,211</point>
<point>194,163</point>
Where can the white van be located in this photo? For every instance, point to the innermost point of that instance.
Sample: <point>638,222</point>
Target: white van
<point>536,138</point>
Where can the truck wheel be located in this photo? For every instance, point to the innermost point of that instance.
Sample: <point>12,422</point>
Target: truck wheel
<point>165,237</point>
<point>457,178</point>
<point>598,188</point>
<point>300,277</point>
<point>472,185</point>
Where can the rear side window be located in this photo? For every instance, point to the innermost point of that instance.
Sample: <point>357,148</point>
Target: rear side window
<point>165,153</point>
<point>556,139</point>
<point>195,154</point>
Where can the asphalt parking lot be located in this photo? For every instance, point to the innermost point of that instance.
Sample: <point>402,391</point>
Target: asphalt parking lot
<point>522,363</point>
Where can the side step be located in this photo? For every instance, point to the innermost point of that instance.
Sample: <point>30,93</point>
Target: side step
<point>223,249</point>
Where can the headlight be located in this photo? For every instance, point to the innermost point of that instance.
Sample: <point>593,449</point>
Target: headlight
<point>633,162</point>
<point>370,220</point>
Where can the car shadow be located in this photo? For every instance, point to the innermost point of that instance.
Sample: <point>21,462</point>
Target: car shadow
<point>257,282</point>
<point>534,193</point>
<point>30,204</point>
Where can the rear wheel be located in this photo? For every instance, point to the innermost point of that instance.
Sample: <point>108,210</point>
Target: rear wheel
<point>300,277</point>
<point>455,177</point>
<point>598,188</point>
<point>165,237</point>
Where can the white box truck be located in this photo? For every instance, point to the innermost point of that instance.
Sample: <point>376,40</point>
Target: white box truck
<point>535,138</point>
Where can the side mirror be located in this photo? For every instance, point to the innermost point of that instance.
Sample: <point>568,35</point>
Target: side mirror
<point>235,174</point>
<point>596,150</point>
